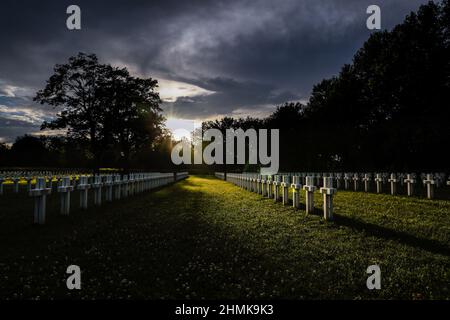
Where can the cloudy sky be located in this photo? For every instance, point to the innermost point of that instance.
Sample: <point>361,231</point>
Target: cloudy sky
<point>211,58</point>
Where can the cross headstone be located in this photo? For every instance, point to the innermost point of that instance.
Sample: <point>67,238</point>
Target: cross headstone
<point>309,198</point>
<point>83,186</point>
<point>410,181</point>
<point>346,180</point>
<point>264,185</point>
<point>276,188</point>
<point>269,187</point>
<point>296,187</point>
<point>393,181</point>
<point>366,180</point>
<point>328,191</point>
<point>258,184</point>
<point>338,180</point>
<point>65,188</point>
<point>40,193</point>
<point>379,182</point>
<point>356,182</point>
<point>285,190</point>
<point>430,183</point>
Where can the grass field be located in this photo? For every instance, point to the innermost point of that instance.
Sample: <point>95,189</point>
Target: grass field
<point>203,238</point>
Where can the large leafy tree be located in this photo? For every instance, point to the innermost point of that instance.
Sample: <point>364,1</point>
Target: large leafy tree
<point>115,112</point>
<point>75,89</point>
<point>132,118</point>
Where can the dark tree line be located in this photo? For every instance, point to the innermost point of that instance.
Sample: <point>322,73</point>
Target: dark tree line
<point>65,152</point>
<point>387,110</point>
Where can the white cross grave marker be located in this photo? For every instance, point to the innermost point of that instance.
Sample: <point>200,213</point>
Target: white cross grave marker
<point>366,180</point>
<point>65,188</point>
<point>378,181</point>
<point>263,186</point>
<point>346,180</point>
<point>83,186</point>
<point>393,180</point>
<point>309,198</point>
<point>296,187</point>
<point>338,180</point>
<point>285,190</point>
<point>410,181</point>
<point>269,187</point>
<point>430,182</point>
<point>276,188</point>
<point>328,191</point>
<point>40,193</point>
<point>356,182</point>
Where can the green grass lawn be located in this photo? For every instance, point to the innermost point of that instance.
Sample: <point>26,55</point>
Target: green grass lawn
<point>203,238</point>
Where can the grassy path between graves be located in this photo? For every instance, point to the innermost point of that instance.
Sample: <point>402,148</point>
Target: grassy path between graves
<point>205,238</point>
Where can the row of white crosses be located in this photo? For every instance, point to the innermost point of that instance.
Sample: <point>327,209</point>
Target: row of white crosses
<point>271,186</point>
<point>121,187</point>
<point>430,181</point>
<point>16,176</point>
<point>277,187</point>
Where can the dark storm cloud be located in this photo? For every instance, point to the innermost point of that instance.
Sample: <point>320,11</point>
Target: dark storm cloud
<point>252,54</point>
<point>10,129</point>
<point>230,97</point>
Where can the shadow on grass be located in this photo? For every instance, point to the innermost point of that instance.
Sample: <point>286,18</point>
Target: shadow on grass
<point>430,245</point>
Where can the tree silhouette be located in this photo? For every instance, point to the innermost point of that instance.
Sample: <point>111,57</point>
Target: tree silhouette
<point>115,112</point>
<point>29,151</point>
